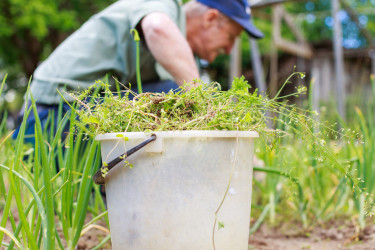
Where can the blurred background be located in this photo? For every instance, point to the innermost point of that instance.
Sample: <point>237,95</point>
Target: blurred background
<point>331,40</point>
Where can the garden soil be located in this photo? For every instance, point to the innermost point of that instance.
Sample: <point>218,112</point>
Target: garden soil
<point>335,234</point>
<point>339,234</point>
<point>331,235</point>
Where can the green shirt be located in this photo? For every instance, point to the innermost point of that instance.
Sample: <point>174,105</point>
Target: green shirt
<point>103,45</point>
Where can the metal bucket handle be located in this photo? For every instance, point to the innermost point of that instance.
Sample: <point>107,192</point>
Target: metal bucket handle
<point>98,176</point>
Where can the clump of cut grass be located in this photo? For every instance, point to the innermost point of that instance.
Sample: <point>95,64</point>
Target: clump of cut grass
<point>205,107</point>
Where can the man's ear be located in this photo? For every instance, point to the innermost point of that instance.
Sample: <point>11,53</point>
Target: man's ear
<point>210,18</point>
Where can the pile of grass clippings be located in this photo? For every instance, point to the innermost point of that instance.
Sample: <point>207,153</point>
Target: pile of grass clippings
<point>205,107</point>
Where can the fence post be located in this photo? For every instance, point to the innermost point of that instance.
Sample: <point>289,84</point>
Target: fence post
<point>339,68</point>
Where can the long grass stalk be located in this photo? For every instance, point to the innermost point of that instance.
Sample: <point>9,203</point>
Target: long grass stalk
<point>93,220</point>
<point>37,171</point>
<point>49,242</point>
<point>31,205</point>
<point>37,228</point>
<point>9,234</point>
<point>84,192</point>
<point>80,147</point>
<point>3,124</point>
<point>2,143</point>
<point>9,196</point>
<point>366,166</point>
<point>102,243</point>
<point>3,84</point>
<point>17,195</point>
<point>6,210</point>
<point>138,69</point>
<point>302,201</point>
<point>37,199</point>
<point>99,205</point>
<point>260,219</point>
<point>59,242</point>
<point>6,139</point>
<point>3,189</point>
<point>67,205</point>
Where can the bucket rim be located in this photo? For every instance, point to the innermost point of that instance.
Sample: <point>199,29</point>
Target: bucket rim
<point>178,133</point>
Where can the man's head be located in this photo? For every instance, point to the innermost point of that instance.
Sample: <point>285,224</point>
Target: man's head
<point>237,10</point>
<point>212,26</point>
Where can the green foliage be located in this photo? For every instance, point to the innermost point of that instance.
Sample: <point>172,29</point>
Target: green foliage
<point>30,30</point>
<point>317,191</point>
<point>204,107</point>
<point>48,187</point>
<point>314,18</point>
<point>137,41</point>
<point>327,192</point>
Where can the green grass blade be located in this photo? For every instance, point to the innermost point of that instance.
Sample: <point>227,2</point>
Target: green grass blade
<point>93,220</point>
<point>331,199</point>
<point>260,220</point>
<point>302,203</point>
<point>102,243</point>
<point>17,195</point>
<point>59,243</point>
<point>93,160</point>
<point>37,232</point>
<point>79,150</point>
<point>35,195</point>
<point>2,84</point>
<point>50,210</point>
<point>31,204</point>
<point>6,210</point>
<point>9,234</point>
<point>61,126</point>
<point>67,205</point>
<point>12,221</point>
<point>18,148</point>
<point>373,85</point>
<point>138,72</point>
<point>3,125</point>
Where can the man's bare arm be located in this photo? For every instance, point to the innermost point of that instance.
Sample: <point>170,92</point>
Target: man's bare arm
<point>169,47</point>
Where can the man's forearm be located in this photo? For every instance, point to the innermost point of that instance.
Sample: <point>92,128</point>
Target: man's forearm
<point>169,47</point>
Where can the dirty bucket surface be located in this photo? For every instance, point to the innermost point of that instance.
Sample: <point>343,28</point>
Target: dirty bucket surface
<point>169,198</point>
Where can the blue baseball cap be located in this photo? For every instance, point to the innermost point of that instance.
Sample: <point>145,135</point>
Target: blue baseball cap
<point>237,10</point>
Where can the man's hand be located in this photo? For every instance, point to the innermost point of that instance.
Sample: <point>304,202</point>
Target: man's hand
<point>169,47</point>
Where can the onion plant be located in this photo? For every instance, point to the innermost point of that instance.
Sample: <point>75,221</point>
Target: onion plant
<point>50,186</point>
<point>365,164</point>
<point>327,192</point>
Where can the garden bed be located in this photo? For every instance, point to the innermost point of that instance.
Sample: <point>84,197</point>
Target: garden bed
<point>341,233</point>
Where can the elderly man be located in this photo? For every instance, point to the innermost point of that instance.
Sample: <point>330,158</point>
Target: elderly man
<point>172,36</point>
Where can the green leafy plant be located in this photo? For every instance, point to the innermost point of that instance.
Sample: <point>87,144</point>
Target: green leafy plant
<point>138,68</point>
<point>51,203</point>
<point>202,108</point>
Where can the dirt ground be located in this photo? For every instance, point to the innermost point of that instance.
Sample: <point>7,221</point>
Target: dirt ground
<point>335,234</point>
<point>331,235</point>
<point>338,234</point>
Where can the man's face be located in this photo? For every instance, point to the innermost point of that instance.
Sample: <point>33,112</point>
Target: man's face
<point>218,38</point>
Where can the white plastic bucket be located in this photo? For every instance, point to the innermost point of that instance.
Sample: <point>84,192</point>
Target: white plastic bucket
<point>169,198</point>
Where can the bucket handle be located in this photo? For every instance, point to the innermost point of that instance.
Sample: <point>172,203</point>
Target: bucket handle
<point>98,176</point>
